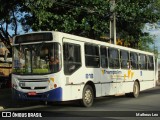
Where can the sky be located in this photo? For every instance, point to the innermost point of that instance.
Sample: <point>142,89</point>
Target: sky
<point>154,29</point>
<point>157,38</point>
<point>20,30</point>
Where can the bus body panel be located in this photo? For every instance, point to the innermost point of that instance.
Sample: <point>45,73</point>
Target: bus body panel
<point>63,87</point>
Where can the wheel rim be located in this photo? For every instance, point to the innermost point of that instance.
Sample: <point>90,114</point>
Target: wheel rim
<point>88,96</point>
<point>136,91</point>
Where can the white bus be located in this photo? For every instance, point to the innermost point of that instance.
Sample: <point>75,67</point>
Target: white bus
<point>83,69</point>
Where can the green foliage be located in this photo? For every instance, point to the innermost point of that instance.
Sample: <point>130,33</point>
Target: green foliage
<point>145,43</point>
<point>88,18</point>
<point>131,18</point>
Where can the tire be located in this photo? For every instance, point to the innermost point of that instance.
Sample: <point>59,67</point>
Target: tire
<point>136,90</point>
<point>87,96</point>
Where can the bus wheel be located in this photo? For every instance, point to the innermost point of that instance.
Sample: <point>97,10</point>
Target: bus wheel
<point>88,96</point>
<point>136,90</point>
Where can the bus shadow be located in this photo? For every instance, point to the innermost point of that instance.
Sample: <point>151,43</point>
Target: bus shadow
<point>105,99</point>
<point>155,90</point>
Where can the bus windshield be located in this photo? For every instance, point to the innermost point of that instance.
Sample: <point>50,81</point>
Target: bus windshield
<point>43,58</point>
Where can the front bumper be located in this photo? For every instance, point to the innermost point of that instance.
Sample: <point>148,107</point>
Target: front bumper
<point>52,95</point>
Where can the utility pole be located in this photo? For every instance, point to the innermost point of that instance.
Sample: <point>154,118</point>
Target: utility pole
<point>112,22</point>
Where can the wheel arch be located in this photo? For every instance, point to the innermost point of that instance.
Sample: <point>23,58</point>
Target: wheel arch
<point>93,87</point>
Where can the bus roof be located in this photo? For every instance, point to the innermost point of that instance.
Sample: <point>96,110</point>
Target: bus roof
<point>88,40</point>
<point>93,41</point>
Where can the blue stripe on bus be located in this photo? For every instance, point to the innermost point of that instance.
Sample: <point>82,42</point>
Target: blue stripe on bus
<point>52,95</point>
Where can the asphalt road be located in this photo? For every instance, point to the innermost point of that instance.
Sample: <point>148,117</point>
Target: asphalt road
<point>148,103</point>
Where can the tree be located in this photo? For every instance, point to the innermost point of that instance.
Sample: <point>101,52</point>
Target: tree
<point>85,18</point>
<point>132,15</point>
<point>9,16</point>
<point>88,18</point>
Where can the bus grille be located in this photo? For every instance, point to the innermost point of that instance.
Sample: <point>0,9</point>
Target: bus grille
<point>36,88</point>
<point>33,84</point>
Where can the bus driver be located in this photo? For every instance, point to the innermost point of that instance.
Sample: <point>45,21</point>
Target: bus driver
<point>53,64</point>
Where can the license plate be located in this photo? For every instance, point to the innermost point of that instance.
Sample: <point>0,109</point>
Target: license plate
<point>32,93</point>
<point>22,84</point>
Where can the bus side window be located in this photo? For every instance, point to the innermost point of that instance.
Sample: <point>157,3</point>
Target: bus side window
<point>92,55</point>
<point>142,62</point>
<point>125,63</point>
<point>150,62</point>
<point>104,57</point>
<point>72,58</point>
<point>113,55</point>
<point>134,60</point>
